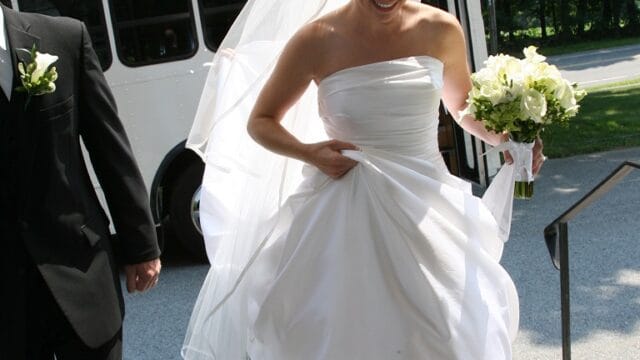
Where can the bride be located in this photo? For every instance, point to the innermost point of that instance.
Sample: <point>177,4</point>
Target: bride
<point>367,247</point>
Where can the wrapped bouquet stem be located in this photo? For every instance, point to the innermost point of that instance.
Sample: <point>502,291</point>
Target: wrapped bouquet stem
<point>520,97</point>
<point>522,154</point>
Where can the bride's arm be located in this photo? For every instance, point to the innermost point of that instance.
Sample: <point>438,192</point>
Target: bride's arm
<point>295,70</point>
<point>457,83</point>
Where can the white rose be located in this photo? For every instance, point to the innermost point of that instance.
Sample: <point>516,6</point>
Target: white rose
<point>495,92</point>
<point>494,61</point>
<point>543,74</point>
<point>531,54</point>
<point>43,61</point>
<point>485,76</point>
<point>565,95</point>
<point>579,94</point>
<point>572,111</point>
<point>512,67</point>
<point>533,105</point>
<point>497,64</point>
<point>517,89</point>
<point>504,66</point>
<point>474,93</point>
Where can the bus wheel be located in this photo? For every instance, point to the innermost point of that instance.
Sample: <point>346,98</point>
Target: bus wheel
<point>184,210</point>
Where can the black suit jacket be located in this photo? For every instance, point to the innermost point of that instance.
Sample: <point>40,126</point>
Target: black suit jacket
<point>59,218</point>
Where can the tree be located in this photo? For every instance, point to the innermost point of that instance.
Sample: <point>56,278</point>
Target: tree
<point>616,10</point>
<point>606,21</point>
<point>632,16</point>
<point>554,18</point>
<point>565,19</point>
<point>542,16</point>
<point>507,21</point>
<point>581,17</point>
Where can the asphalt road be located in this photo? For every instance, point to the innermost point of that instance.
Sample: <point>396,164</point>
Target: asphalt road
<point>600,66</point>
<point>605,265</point>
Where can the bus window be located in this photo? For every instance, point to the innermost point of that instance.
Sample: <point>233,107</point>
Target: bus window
<point>217,17</point>
<point>153,31</point>
<point>88,11</point>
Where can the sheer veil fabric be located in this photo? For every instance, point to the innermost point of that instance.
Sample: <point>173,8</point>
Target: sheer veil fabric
<point>246,196</point>
<point>244,185</point>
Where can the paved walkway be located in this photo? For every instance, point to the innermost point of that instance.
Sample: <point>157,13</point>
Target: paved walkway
<point>604,262</point>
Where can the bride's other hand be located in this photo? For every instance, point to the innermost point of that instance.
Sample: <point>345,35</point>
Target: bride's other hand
<point>326,156</point>
<point>538,156</point>
<point>506,154</point>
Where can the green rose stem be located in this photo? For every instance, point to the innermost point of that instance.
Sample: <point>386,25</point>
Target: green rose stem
<point>26,103</point>
<point>523,190</point>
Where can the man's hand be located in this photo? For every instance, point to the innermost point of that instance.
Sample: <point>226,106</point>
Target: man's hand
<point>143,276</point>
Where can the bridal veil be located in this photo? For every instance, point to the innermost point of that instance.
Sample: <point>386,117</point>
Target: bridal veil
<point>244,185</point>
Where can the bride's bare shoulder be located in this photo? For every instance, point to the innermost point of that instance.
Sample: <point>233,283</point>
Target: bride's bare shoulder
<point>314,38</point>
<point>326,29</point>
<point>434,19</point>
<point>316,42</point>
<point>441,28</point>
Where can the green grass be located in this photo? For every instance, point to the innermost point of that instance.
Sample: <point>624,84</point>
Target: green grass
<point>549,50</point>
<point>609,119</point>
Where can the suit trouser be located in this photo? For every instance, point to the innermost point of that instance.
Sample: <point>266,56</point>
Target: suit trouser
<point>33,325</point>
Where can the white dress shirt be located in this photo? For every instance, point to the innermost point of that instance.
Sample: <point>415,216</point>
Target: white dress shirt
<point>6,67</point>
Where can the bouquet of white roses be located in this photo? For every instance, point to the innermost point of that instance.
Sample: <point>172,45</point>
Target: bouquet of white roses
<point>521,97</point>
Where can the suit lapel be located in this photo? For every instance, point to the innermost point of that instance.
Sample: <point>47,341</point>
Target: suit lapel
<point>27,129</point>
<point>19,38</point>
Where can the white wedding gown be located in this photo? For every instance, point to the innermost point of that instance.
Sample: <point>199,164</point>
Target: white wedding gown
<point>396,259</point>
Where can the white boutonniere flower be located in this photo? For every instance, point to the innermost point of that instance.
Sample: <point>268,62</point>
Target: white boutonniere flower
<point>38,75</point>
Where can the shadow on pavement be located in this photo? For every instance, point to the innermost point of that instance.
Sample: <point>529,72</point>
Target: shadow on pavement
<point>604,251</point>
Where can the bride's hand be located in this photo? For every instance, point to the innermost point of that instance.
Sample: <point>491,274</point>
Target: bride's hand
<point>538,156</point>
<point>327,158</point>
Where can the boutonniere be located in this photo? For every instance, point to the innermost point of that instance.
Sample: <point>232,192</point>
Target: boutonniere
<point>38,75</point>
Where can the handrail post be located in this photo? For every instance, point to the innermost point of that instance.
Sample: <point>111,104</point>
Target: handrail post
<point>564,291</point>
<point>556,236</point>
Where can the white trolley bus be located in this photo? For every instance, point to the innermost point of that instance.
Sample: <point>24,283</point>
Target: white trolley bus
<point>154,55</point>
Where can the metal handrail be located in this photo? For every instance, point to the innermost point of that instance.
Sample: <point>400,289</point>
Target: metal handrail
<point>556,236</point>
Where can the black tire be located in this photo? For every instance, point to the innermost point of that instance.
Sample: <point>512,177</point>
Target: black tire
<point>180,217</point>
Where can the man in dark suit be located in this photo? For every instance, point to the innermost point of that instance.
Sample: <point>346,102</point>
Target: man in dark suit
<point>60,287</point>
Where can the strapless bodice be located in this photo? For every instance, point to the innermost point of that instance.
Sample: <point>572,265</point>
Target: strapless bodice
<point>389,105</point>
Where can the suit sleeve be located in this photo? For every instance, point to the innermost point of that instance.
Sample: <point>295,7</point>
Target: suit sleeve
<point>113,161</point>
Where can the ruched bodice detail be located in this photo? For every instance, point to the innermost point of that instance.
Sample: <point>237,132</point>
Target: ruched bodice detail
<point>389,105</point>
